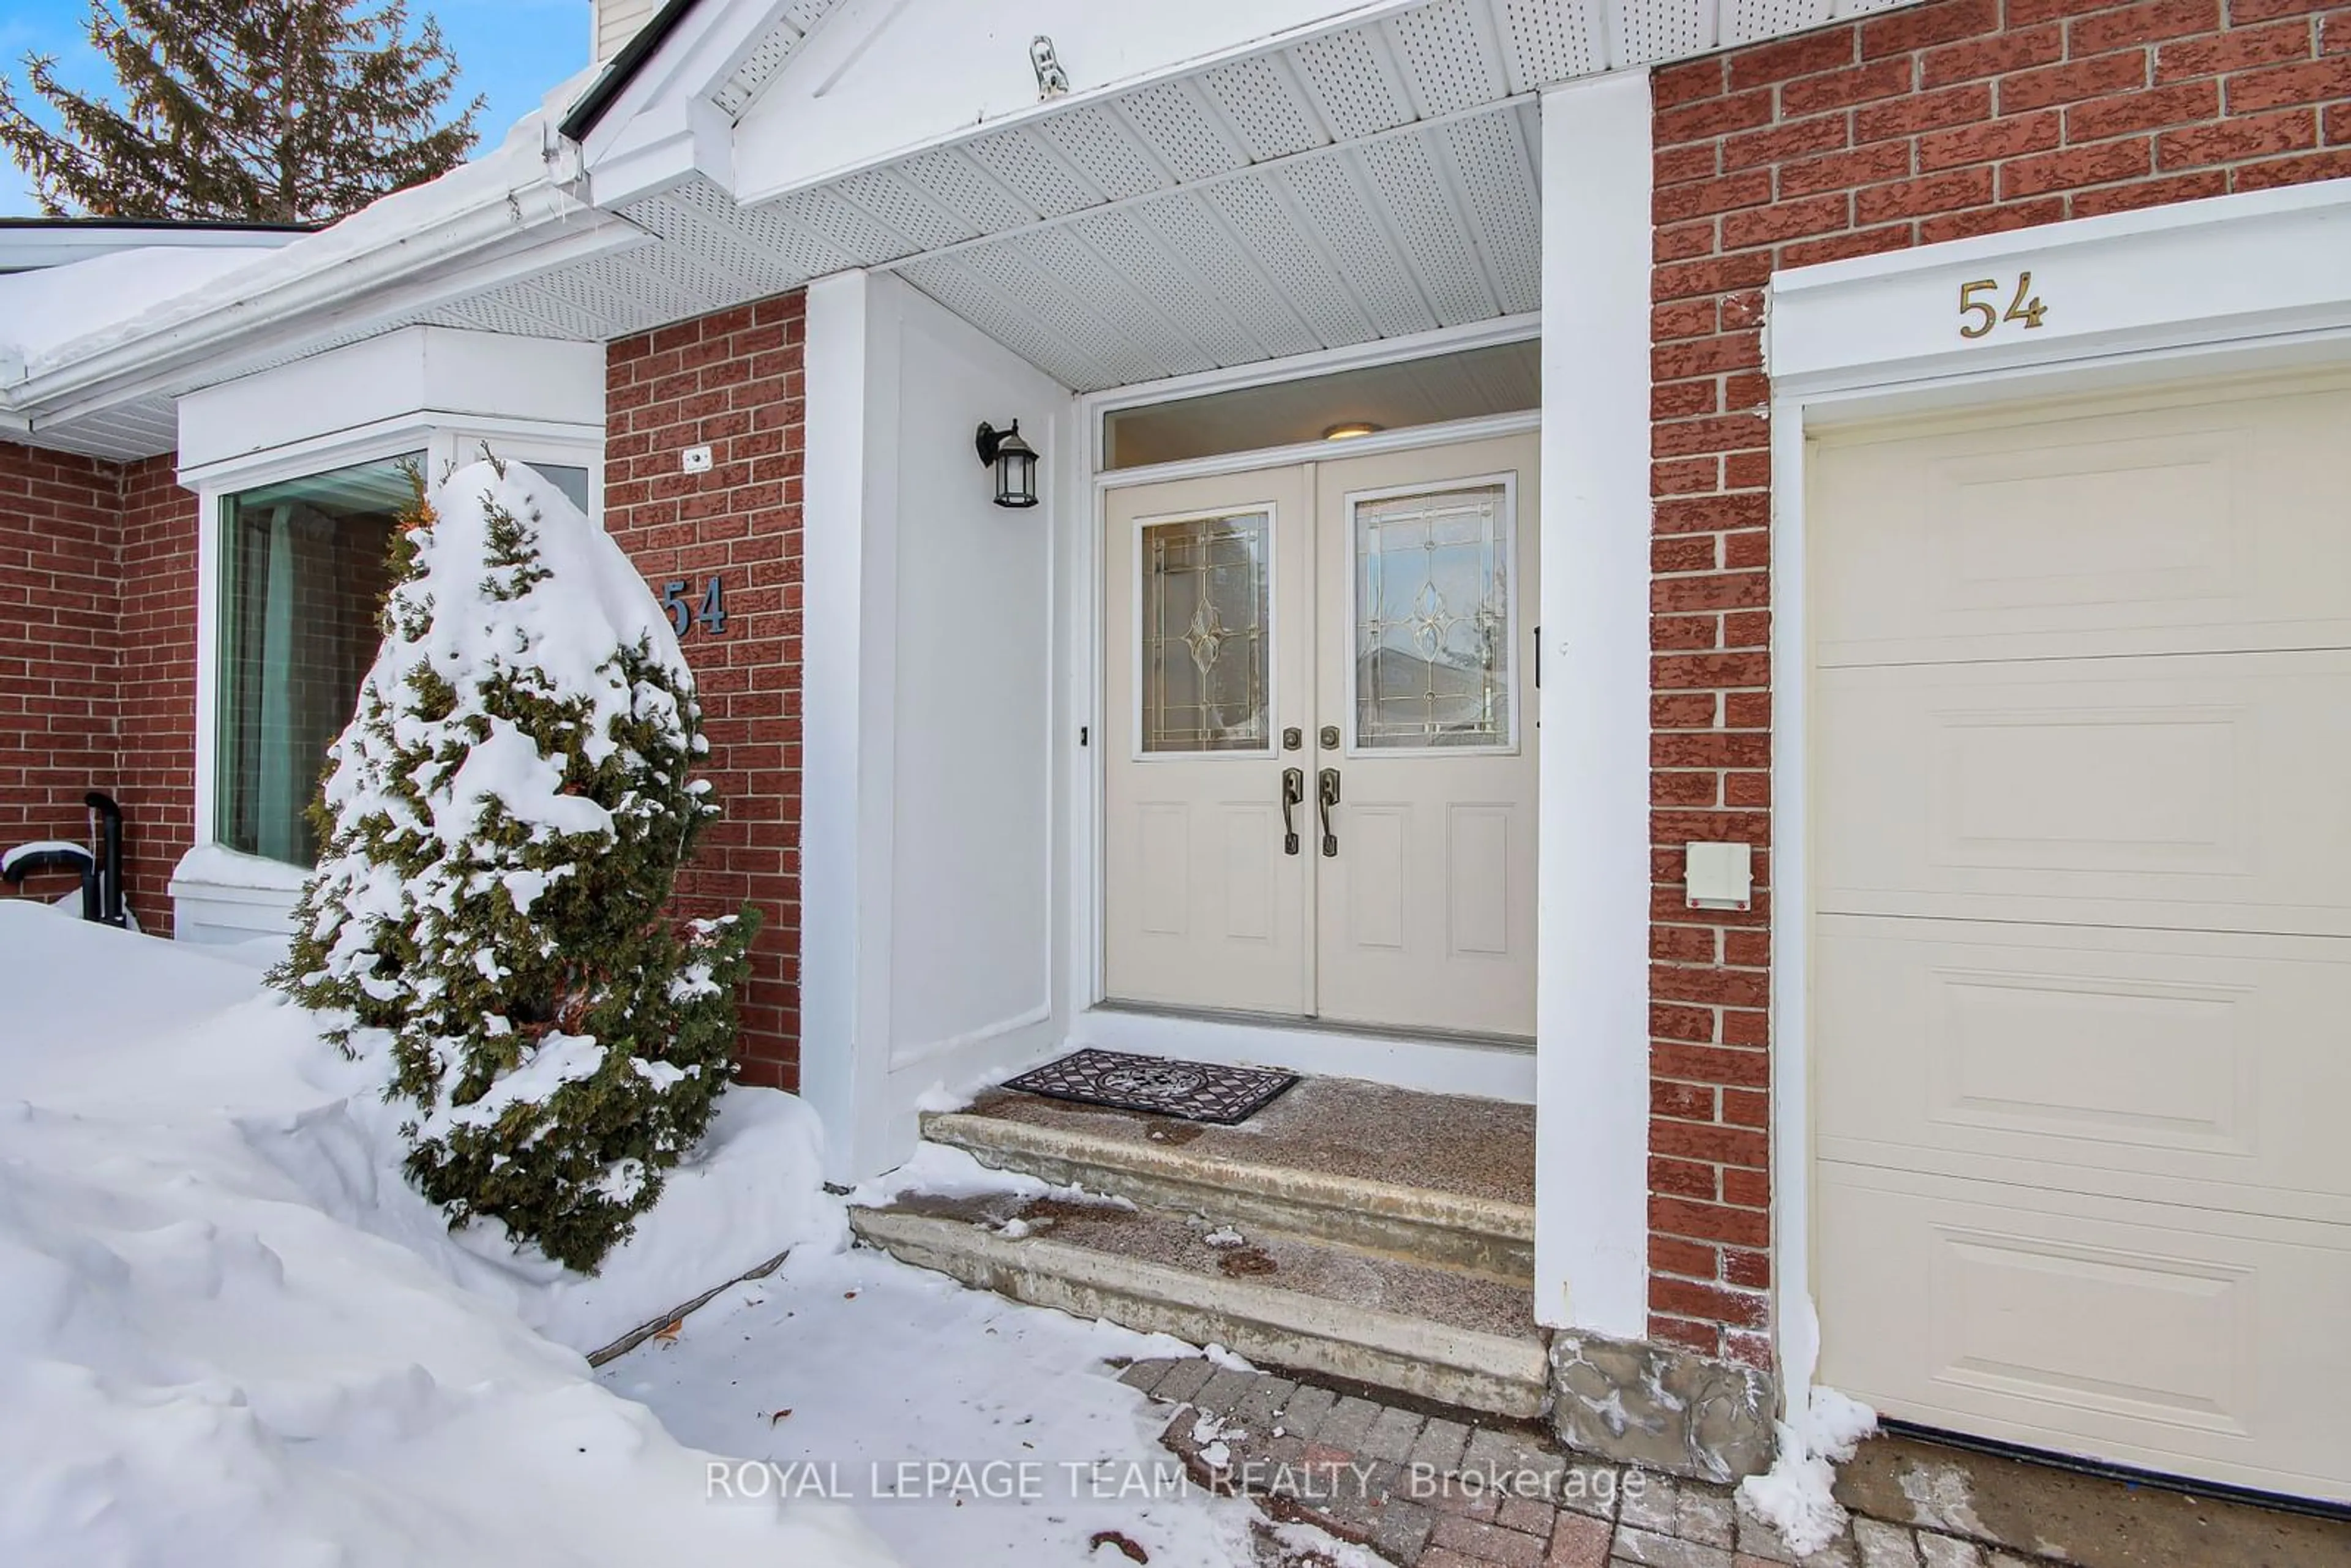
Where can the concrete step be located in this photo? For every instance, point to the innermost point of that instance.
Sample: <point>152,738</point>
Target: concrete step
<point>1441,1180</point>
<point>1277,1299</point>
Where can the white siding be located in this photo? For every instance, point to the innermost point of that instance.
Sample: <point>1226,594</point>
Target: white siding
<point>617,21</point>
<point>935,722</point>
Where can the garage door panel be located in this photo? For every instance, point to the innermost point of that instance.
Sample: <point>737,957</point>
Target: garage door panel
<point>2105,1058</point>
<point>2080,925</point>
<point>2175,529</point>
<point>2194,791</point>
<point>2126,1331</point>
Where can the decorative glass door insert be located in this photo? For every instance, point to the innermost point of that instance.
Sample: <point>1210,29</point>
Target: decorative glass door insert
<point>1207,643</point>
<point>1430,620</point>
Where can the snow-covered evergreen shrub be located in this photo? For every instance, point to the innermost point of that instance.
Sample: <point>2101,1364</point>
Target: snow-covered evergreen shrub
<point>503,822</point>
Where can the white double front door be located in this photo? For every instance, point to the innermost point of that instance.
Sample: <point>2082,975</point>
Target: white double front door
<point>1319,703</point>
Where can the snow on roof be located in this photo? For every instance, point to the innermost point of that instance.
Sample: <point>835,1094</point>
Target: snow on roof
<point>27,244</point>
<point>45,309</point>
<point>391,230</point>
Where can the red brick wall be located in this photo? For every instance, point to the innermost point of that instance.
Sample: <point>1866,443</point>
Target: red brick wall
<point>60,516</point>
<point>155,782</point>
<point>1954,118</point>
<point>97,648</point>
<point>731,380</point>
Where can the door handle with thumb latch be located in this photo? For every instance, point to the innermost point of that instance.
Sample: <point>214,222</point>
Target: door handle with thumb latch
<point>1293,795</point>
<point>1329,797</point>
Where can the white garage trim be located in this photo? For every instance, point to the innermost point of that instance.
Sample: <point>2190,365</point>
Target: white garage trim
<point>2239,283</point>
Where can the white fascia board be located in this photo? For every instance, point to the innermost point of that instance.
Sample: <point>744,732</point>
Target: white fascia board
<point>444,372</point>
<point>662,150</point>
<point>2223,269</point>
<point>884,79</point>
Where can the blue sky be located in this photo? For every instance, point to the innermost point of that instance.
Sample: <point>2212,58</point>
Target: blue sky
<point>513,51</point>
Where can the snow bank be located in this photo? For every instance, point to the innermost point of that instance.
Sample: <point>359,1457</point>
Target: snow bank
<point>230,1333</point>
<point>1793,1497</point>
<point>751,1191</point>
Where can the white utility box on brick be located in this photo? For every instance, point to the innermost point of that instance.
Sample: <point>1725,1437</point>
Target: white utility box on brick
<point>1719,876</point>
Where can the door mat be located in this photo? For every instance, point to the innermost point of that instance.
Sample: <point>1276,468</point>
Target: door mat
<point>1196,1091</point>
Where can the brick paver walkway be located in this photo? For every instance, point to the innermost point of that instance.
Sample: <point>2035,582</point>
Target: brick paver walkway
<point>1428,1490</point>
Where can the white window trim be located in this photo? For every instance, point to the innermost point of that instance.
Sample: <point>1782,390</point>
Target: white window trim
<point>202,901</point>
<point>1410,438</point>
<point>1094,408</point>
<point>2241,283</point>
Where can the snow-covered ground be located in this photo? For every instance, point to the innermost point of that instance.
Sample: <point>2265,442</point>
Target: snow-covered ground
<point>230,1333</point>
<point>968,1429</point>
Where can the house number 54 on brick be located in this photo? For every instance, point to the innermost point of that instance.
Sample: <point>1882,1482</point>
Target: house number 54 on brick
<point>685,617</point>
<point>1977,302</point>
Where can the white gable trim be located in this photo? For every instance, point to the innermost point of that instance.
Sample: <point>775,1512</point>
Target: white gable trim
<point>668,122</point>
<point>799,133</point>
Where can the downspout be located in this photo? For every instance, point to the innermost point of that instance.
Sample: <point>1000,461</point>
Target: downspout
<point>111,903</point>
<point>12,371</point>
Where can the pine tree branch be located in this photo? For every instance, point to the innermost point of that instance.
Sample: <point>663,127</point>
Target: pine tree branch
<point>252,110</point>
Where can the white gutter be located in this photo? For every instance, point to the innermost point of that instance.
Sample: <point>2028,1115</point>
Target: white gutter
<point>334,272</point>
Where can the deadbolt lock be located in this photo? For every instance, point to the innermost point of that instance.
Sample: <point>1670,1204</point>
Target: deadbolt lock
<point>1293,739</point>
<point>1329,738</point>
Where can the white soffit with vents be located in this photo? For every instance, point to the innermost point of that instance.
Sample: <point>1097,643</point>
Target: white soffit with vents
<point>1225,182</point>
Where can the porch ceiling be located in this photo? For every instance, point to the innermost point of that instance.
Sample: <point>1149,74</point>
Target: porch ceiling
<point>1118,281</point>
<point>1356,182</point>
<point>1370,182</point>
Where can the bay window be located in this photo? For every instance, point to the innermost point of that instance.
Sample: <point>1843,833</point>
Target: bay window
<point>302,472</point>
<point>304,564</point>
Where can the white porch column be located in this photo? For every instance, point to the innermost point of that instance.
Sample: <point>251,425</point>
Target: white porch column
<point>845,734</point>
<point>1592,1001</point>
<point>933,918</point>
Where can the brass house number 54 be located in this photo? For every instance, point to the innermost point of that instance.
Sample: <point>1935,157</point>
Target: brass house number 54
<point>1978,302</point>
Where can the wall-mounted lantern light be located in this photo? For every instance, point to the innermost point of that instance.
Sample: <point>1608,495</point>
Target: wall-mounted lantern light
<point>1015,462</point>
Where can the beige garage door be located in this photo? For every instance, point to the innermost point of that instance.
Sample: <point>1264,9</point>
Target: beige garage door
<point>2081,1004</point>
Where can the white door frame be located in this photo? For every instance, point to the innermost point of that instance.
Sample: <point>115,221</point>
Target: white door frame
<point>2231,284</point>
<point>1497,1071</point>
